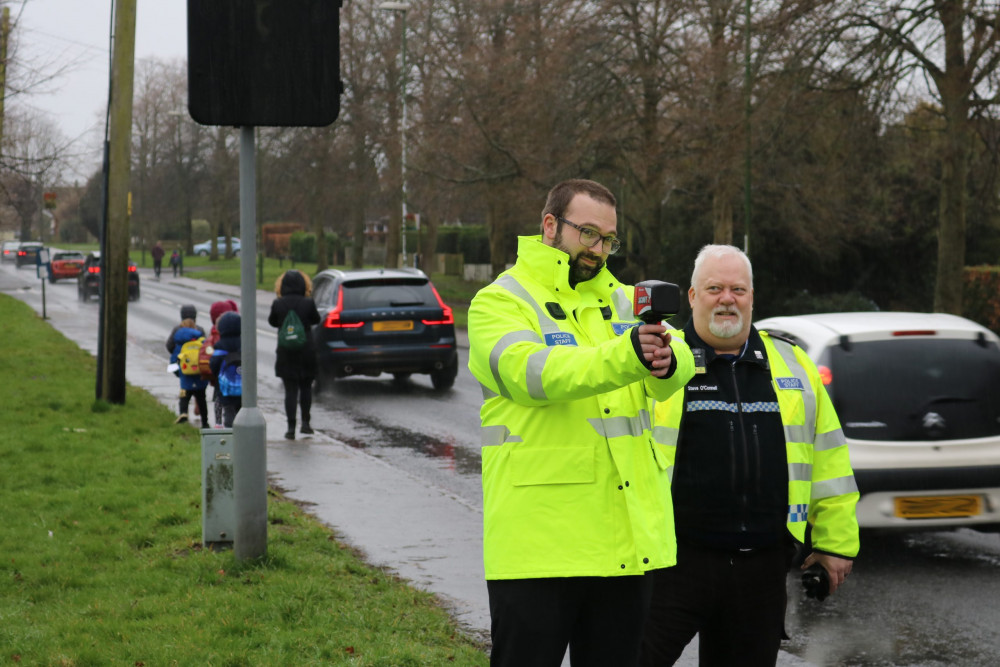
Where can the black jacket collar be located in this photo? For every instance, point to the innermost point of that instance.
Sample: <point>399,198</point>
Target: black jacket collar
<point>753,351</point>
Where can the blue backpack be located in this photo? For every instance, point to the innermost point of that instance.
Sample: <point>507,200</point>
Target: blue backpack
<point>231,373</point>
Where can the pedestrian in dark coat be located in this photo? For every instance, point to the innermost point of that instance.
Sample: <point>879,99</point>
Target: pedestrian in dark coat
<point>228,326</point>
<point>157,252</point>
<point>296,368</point>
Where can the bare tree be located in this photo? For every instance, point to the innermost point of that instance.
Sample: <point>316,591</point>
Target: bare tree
<point>950,49</point>
<point>33,157</point>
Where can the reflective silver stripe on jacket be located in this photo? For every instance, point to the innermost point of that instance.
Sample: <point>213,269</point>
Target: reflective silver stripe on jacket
<point>666,435</point>
<point>533,374</point>
<point>830,488</point>
<point>545,323</point>
<point>800,472</point>
<point>829,440</point>
<point>807,432</point>
<point>623,305</point>
<point>615,427</point>
<point>506,341</point>
<point>536,362</point>
<point>494,436</point>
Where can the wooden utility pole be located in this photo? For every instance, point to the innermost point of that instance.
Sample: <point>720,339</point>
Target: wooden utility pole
<point>116,243</point>
<point>4,37</point>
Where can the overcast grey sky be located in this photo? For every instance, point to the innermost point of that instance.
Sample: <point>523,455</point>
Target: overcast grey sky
<point>76,33</point>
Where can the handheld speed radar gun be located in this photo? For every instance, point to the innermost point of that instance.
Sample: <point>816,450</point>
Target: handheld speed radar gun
<point>655,301</point>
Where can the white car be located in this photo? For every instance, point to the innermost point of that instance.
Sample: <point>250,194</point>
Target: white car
<point>205,249</point>
<point>918,396</point>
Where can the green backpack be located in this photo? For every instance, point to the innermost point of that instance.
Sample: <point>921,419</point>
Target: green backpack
<point>292,333</point>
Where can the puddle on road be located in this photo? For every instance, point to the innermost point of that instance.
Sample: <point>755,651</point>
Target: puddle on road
<point>445,452</point>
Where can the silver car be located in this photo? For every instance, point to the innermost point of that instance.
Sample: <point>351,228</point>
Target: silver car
<point>918,396</point>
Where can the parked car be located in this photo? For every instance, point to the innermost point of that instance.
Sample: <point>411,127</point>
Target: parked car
<point>27,253</point>
<point>383,321</point>
<point>205,249</point>
<point>65,264</point>
<point>89,281</point>
<point>918,396</point>
<point>8,251</point>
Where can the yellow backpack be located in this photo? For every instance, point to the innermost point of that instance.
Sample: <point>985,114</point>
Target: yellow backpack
<point>188,356</point>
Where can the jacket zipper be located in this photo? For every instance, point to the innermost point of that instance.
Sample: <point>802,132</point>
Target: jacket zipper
<point>746,453</point>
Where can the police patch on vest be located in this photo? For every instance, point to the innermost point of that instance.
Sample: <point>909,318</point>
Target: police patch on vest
<point>622,327</point>
<point>560,338</point>
<point>789,383</point>
<point>798,513</point>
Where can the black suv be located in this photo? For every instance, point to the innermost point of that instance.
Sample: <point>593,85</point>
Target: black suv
<point>88,283</point>
<point>27,253</point>
<point>377,321</point>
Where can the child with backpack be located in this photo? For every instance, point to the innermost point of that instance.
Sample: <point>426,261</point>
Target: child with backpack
<point>216,311</point>
<point>188,312</point>
<point>187,344</point>
<point>227,366</point>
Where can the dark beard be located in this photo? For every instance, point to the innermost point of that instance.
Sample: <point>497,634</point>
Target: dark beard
<point>579,273</point>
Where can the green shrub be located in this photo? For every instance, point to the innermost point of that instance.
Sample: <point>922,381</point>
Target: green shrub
<point>981,296</point>
<point>302,247</point>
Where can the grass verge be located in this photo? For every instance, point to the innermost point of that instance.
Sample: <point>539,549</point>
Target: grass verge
<point>100,553</point>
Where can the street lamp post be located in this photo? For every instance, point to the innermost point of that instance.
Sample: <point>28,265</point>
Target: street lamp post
<point>402,8</point>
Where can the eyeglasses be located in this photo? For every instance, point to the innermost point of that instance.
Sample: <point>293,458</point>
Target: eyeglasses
<point>589,237</point>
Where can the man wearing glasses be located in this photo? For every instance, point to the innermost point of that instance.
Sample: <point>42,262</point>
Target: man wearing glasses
<point>576,499</point>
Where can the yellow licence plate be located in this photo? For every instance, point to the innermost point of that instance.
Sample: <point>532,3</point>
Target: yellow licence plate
<point>393,325</point>
<point>938,507</point>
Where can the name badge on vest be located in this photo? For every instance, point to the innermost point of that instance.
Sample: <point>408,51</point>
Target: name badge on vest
<point>789,383</point>
<point>622,327</point>
<point>560,338</point>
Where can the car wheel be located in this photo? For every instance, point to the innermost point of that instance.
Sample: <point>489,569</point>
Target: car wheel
<point>52,279</point>
<point>445,378</point>
<point>400,378</point>
<point>203,253</point>
<point>84,295</point>
<point>236,253</point>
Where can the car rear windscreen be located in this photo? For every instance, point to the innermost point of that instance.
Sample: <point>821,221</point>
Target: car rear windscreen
<point>391,293</point>
<point>916,389</point>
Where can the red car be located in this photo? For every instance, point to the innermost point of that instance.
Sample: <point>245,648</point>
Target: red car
<point>66,264</point>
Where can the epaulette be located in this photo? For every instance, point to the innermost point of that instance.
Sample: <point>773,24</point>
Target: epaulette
<point>778,336</point>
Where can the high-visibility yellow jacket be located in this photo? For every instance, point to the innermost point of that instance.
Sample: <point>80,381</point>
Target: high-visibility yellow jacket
<point>572,485</point>
<point>821,486</point>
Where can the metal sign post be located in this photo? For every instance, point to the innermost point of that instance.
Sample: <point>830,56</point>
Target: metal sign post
<point>42,263</point>
<point>249,427</point>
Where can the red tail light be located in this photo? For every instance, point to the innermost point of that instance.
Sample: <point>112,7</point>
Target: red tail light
<point>132,269</point>
<point>915,332</point>
<point>449,317</point>
<point>93,269</point>
<point>333,317</point>
<point>825,374</point>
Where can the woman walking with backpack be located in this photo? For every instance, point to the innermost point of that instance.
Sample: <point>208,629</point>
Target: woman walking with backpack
<point>294,314</point>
